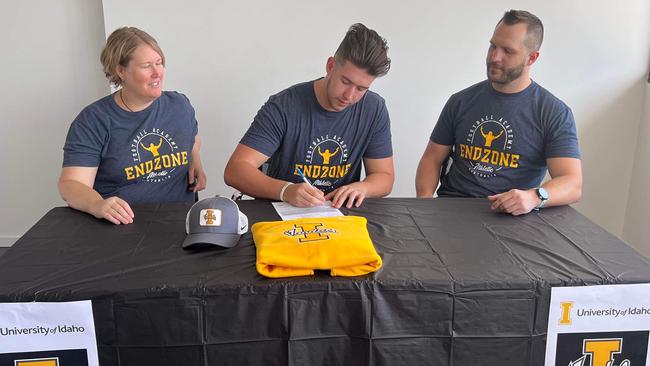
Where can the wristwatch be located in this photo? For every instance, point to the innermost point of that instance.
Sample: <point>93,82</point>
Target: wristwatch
<point>543,196</point>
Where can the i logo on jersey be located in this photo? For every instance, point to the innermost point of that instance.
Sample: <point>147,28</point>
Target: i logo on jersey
<point>325,162</point>
<point>310,232</point>
<point>155,156</point>
<point>602,349</point>
<point>488,147</point>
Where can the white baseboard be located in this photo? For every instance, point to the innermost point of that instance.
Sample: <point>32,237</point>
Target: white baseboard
<point>7,241</point>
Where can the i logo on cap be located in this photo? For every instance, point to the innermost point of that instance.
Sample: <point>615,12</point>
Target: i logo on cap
<point>210,217</point>
<point>214,221</point>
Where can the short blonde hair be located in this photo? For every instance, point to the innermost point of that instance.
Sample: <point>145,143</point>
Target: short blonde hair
<point>119,48</point>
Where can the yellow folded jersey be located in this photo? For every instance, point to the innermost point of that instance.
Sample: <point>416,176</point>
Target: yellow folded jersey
<point>298,247</point>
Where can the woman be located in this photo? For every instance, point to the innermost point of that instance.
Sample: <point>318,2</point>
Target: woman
<point>137,145</point>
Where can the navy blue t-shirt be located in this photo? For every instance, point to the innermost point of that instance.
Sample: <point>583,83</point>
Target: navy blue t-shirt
<point>501,141</point>
<point>141,157</point>
<point>295,131</point>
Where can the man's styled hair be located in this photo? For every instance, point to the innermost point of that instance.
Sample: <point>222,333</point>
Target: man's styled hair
<point>119,49</point>
<point>365,49</point>
<point>535,32</point>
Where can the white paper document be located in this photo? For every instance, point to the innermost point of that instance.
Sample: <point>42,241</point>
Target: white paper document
<point>48,333</point>
<point>289,212</point>
<point>602,325</point>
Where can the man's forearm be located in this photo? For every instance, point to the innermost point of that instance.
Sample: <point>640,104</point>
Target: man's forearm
<point>426,179</point>
<point>379,184</point>
<point>249,180</point>
<point>563,190</point>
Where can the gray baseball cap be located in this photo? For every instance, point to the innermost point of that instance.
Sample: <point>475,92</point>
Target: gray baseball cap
<point>214,221</point>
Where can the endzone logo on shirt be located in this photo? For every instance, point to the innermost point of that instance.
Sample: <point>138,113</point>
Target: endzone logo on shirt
<point>487,148</point>
<point>156,156</point>
<point>325,161</point>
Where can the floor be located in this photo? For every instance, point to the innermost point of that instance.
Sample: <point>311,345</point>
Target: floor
<point>3,250</point>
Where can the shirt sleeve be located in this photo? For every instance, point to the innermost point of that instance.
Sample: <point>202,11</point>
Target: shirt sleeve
<point>380,145</point>
<point>84,142</point>
<point>561,139</point>
<point>444,132</point>
<point>192,112</point>
<point>267,130</point>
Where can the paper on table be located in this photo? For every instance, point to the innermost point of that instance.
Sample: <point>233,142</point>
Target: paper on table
<point>34,330</point>
<point>289,212</point>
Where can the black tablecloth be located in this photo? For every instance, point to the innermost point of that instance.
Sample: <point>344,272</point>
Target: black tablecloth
<point>460,285</point>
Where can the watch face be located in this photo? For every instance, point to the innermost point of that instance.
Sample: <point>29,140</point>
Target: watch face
<point>543,195</point>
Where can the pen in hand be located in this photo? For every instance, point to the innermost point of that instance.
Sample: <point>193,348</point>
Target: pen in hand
<point>303,177</point>
<point>318,197</point>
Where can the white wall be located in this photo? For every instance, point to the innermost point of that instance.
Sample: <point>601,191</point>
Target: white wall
<point>229,57</point>
<point>49,71</point>
<point>637,218</point>
<point>600,69</point>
